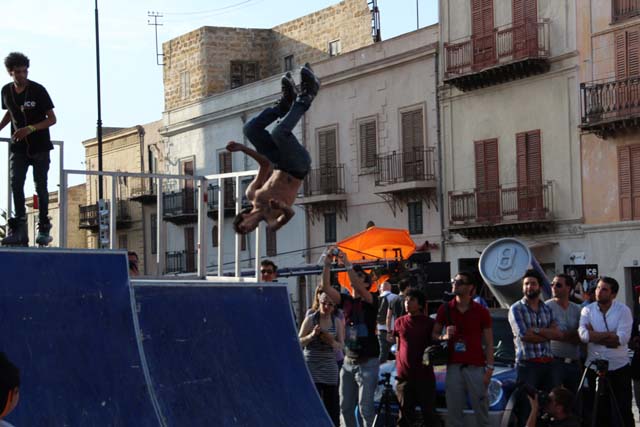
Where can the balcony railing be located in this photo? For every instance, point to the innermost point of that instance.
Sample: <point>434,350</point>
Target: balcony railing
<point>505,44</point>
<point>324,180</point>
<point>229,195</point>
<point>181,202</point>
<point>89,214</point>
<point>140,188</point>
<point>406,166</point>
<point>507,203</point>
<point>180,262</point>
<point>609,101</point>
<point>622,9</point>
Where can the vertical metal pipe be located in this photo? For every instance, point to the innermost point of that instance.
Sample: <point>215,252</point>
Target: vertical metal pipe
<point>159,225</point>
<point>99,122</point>
<point>113,210</point>
<point>62,211</point>
<point>62,192</point>
<point>9,192</point>
<point>202,220</point>
<point>238,236</point>
<point>220,226</point>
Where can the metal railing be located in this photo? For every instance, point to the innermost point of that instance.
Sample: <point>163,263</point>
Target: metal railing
<point>181,262</point>
<point>621,9</point>
<point>406,166</point>
<point>229,200</point>
<point>503,204</point>
<point>200,204</point>
<point>604,100</point>
<point>508,43</point>
<point>324,180</point>
<point>140,187</point>
<point>181,202</point>
<point>89,214</point>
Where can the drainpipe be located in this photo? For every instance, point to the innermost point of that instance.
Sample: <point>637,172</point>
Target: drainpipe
<point>141,133</point>
<point>440,165</point>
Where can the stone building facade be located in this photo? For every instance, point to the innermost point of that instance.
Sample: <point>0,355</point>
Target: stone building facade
<point>211,60</point>
<point>76,237</point>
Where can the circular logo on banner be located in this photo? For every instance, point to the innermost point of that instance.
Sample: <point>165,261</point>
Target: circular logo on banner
<point>504,261</point>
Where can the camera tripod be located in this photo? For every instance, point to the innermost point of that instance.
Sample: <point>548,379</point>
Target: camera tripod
<point>603,390</point>
<point>384,416</point>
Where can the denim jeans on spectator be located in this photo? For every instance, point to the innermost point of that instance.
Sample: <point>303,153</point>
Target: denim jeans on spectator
<point>358,382</point>
<point>19,163</point>
<point>280,146</point>
<point>385,346</point>
<point>566,374</point>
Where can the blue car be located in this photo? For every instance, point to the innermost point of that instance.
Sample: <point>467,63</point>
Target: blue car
<point>501,387</point>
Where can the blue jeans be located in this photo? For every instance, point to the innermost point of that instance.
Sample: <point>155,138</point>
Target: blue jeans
<point>567,374</point>
<point>358,382</point>
<point>19,163</point>
<point>280,146</point>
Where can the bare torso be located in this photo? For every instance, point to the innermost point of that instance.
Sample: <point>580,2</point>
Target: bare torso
<point>281,187</point>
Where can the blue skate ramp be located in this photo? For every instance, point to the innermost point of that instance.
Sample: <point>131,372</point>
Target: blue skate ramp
<point>96,351</point>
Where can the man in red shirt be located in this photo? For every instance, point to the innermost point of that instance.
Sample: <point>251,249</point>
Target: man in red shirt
<point>416,382</point>
<point>469,368</point>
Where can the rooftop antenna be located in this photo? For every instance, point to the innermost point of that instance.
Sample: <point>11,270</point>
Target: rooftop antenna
<point>375,20</point>
<point>155,16</point>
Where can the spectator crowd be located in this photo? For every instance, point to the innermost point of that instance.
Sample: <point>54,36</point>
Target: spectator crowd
<point>572,361</point>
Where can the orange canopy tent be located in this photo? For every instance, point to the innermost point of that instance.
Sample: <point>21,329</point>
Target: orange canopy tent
<point>376,244</point>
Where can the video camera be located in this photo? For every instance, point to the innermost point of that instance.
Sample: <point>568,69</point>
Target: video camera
<point>602,366</point>
<point>386,379</point>
<point>543,396</point>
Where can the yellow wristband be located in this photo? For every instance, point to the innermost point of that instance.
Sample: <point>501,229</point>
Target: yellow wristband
<point>31,128</point>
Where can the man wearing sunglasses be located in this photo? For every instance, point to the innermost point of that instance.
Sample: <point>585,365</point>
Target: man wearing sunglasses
<point>565,349</point>
<point>268,271</point>
<point>466,323</point>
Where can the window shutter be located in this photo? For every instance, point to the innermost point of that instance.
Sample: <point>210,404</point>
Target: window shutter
<point>634,154</point>
<point>487,16</point>
<point>225,165</point>
<point>368,144</point>
<point>476,17</point>
<point>327,148</point>
<point>633,52</point>
<point>521,158</point>
<point>214,236</point>
<point>534,158</point>
<point>517,11</point>
<point>480,168</point>
<point>412,131</point>
<point>491,163</point>
<point>624,182</point>
<point>621,55</point>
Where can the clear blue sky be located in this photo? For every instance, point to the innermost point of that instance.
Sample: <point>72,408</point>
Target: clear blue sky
<point>59,38</point>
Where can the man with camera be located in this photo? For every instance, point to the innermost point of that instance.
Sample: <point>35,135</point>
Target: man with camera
<point>469,368</point>
<point>558,409</point>
<point>359,374</point>
<point>605,326</point>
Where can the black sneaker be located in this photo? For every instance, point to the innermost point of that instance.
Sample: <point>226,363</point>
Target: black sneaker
<point>289,94</point>
<point>309,83</point>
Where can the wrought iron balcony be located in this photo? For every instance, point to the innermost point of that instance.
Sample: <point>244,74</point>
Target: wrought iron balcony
<point>506,209</point>
<point>142,190</point>
<point>229,197</point>
<point>324,180</point>
<point>180,262</point>
<point>89,218</point>
<point>509,52</point>
<point>406,166</point>
<point>623,9</point>
<point>609,106</point>
<point>180,207</point>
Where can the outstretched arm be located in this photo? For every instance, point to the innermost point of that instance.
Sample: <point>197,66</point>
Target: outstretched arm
<point>5,120</point>
<point>264,164</point>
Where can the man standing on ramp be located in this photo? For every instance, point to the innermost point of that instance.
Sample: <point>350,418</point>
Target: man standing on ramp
<point>30,111</point>
<point>283,161</point>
